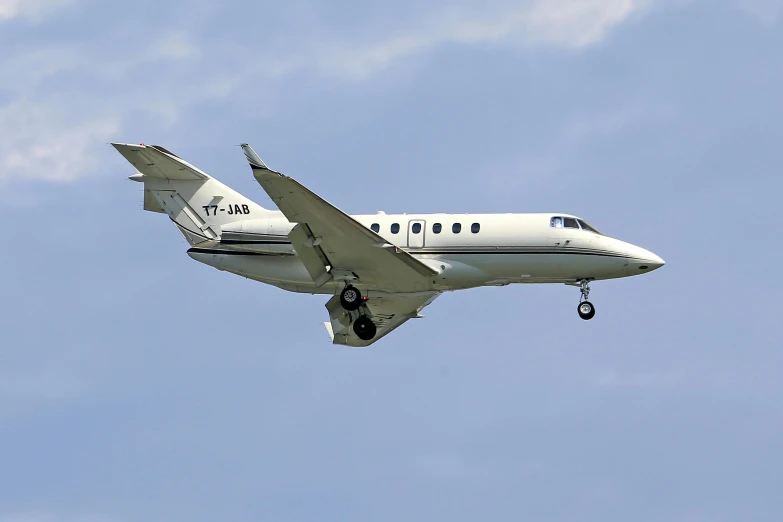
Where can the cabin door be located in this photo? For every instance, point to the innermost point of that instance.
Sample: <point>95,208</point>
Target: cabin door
<point>416,234</point>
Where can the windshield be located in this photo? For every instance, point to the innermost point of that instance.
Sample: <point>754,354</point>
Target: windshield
<point>587,227</point>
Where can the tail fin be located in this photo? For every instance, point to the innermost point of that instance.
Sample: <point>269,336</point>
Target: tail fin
<point>198,204</point>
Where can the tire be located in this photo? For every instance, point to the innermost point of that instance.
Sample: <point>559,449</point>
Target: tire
<point>586,310</point>
<point>364,328</point>
<point>350,298</point>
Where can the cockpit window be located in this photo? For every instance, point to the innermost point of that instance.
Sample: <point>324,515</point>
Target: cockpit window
<point>587,227</point>
<point>569,222</point>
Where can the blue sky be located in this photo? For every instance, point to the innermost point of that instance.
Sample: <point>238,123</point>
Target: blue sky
<point>137,384</point>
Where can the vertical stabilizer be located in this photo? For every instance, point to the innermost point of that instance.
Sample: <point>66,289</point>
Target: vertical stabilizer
<point>197,203</point>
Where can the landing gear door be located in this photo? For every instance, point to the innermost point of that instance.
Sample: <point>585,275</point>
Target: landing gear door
<point>416,232</point>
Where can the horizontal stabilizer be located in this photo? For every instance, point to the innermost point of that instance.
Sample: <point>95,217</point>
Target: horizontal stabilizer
<point>157,162</point>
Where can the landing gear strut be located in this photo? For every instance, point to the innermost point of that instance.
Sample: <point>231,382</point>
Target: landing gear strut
<point>350,298</point>
<point>586,309</point>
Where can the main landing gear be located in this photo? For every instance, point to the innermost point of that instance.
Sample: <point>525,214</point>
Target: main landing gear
<point>351,300</point>
<point>364,328</point>
<point>586,309</point>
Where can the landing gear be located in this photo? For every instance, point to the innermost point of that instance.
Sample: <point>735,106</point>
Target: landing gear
<point>586,309</point>
<point>350,298</point>
<point>364,328</point>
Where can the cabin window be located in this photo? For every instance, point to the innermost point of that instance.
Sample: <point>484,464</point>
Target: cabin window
<point>475,227</point>
<point>375,227</point>
<point>436,228</point>
<point>456,228</point>
<point>395,228</point>
<point>556,222</point>
<point>570,223</point>
<point>416,228</point>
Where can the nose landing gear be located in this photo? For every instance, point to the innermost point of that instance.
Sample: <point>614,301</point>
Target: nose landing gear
<point>586,309</point>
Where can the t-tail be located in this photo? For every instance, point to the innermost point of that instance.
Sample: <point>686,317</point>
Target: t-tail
<point>198,204</point>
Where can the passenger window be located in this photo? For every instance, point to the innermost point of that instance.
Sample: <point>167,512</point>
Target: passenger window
<point>416,228</point>
<point>475,227</point>
<point>436,228</point>
<point>395,228</point>
<point>570,223</point>
<point>456,228</point>
<point>375,227</point>
<point>557,222</point>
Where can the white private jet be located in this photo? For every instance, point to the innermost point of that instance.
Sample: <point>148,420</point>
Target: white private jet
<point>381,269</point>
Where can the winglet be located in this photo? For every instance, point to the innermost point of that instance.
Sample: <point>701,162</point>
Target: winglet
<point>252,157</point>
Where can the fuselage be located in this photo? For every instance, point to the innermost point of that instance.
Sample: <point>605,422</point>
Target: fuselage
<point>466,250</point>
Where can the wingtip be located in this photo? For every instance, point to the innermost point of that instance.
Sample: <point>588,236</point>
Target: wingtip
<point>252,157</point>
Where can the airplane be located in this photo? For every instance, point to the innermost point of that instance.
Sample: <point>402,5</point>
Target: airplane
<point>380,269</point>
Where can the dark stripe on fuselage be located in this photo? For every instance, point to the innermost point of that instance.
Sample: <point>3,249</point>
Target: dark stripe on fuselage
<point>197,250</point>
<point>517,252</point>
<point>460,250</point>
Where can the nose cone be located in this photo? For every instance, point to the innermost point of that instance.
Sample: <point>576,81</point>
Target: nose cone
<point>641,261</point>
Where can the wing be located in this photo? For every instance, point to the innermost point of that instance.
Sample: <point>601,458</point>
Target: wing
<point>331,243</point>
<point>157,162</point>
<point>387,312</point>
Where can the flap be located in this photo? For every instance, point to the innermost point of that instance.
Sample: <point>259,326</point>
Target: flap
<point>386,311</point>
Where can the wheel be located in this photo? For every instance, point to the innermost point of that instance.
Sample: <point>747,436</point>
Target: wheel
<point>351,298</point>
<point>586,310</point>
<point>364,328</point>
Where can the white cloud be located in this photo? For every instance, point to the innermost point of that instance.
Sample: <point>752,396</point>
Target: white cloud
<point>571,24</point>
<point>54,134</point>
<point>48,144</point>
<point>51,137</point>
<point>23,71</point>
<point>10,9</point>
